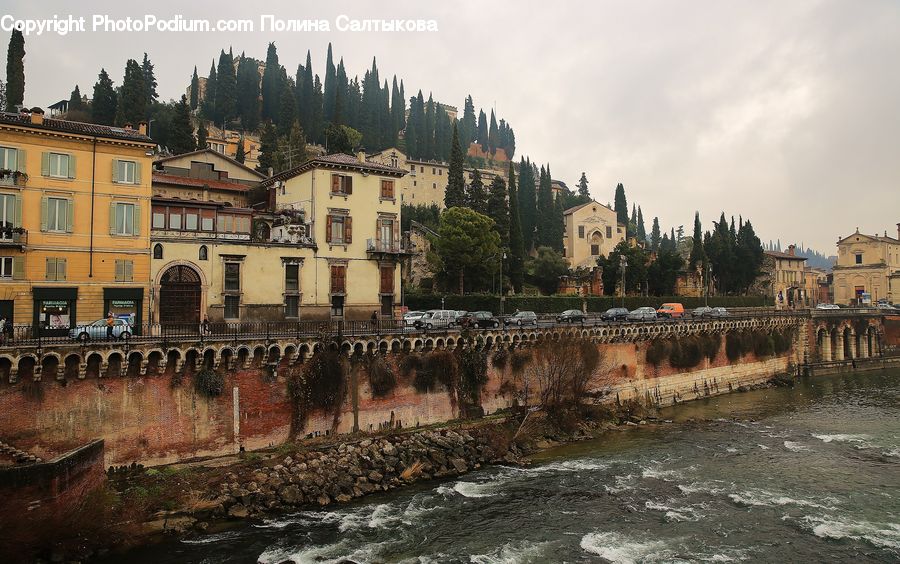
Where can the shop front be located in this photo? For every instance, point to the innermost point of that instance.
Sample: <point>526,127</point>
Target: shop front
<point>127,304</point>
<point>54,310</point>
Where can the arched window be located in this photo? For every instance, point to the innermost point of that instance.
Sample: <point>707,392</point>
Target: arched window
<point>157,251</point>
<point>204,253</point>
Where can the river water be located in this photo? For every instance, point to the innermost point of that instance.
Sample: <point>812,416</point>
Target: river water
<point>803,474</point>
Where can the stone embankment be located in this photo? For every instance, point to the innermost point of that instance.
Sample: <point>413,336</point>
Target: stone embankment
<point>343,472</point>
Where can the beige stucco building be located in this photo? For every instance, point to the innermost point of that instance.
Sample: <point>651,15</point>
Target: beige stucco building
<point>867,264</point>
<point>784,278</point>
<point>591,230</point>
<point>323,242</point>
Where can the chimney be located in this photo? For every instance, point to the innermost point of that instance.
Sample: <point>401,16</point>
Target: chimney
<point>37,116</point>
<point>361,155</point>
<point>142,127</point>
<point>127,126</point>
<point>792,249</point>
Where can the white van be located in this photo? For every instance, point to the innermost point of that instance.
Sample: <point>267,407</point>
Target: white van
<point>437,318</point>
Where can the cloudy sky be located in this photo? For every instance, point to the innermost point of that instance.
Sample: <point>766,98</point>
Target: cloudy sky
<point>784,112</point>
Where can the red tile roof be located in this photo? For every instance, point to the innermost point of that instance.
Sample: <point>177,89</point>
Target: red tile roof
<point>336,160</point>
<point>162,178</point>
<point>78,127</point>
<point>779,254</point>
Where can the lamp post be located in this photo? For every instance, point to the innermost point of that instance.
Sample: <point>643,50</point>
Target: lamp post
<point>623,262</point>
<point>706,284</point>
<point>502,256</point>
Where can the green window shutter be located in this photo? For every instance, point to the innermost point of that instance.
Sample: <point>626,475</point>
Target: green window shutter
<point>137,219</point>
<point>60,269</point>
<point>51,269</point>
<point>71,166</point>
<point>112,218</point>
<point>70,215</point>
<point>115,170</point>
<point>43,213</point>
<point>137,172</point>
<point>18,219</point>
<point>20,160</point>
<point>119,270</point>
<point>129,270</point>
<point>45,164</point>
<point>18,268</point>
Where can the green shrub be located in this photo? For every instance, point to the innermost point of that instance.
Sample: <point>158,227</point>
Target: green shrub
<point>409,364</point>
<point>710,345</point>
<point>734,347</point>
<point>438,367</point>
<point>381,377</point>
<point>685,353</point>
<point>209,383</point>
<point>657,351</point>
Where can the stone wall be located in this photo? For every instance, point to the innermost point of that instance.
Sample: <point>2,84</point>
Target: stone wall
<point>162,418</point>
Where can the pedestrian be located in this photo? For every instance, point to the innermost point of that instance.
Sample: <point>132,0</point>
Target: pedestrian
<point>206,325</point>
<point>110,322</point>
<point>2,330</point>
<point>374,319</point>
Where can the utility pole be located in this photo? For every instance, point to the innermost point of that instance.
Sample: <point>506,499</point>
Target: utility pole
<point>502,256</point>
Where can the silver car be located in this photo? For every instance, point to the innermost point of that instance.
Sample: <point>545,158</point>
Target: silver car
<point>97,330</point>
<point>410,317</point>
<point>643,314</point>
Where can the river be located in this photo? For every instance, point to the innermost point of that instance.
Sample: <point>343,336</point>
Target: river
<point>803,474</point>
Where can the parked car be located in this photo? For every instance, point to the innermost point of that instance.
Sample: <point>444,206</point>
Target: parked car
<point>643,314</point>
<point>410,317</point>
<point>571,316</point>
<point>521,318</point>
<point>480,319</point>
<point>436,318</point>
<point>702,311</point>
<point>671,310</point>
<point>887,306</point>
<point>719,312</point>
<point>615,314</point>
<point>97,330</point>
<point>827,306</point>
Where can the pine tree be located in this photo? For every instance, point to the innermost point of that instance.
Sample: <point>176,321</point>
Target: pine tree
<point>697,254</point>
<point>583,191</point>
<point>527,203</point>
<point>149,82</point>
<point>132,107</point>
<point>271,85</point>
<point>226,89</point>
<point>75,102</point>
<point>641,229</point>
<point>248,93</point>
<point>15,71</point>
<point>654,235</point>
<point>195,90</point>
<point>516,244</point>
<point>621,205</point>
<point>103,103</point>
<point>181,132</point>
<point>268,145</point>
<point>202,134</point>
<point>208,104</point>
<point>455,194</point>
<point>330,91</point>
<point>476,196</point>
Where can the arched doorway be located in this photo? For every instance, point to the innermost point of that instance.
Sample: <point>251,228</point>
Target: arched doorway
<point>596,241</point>
<point>179,296</point>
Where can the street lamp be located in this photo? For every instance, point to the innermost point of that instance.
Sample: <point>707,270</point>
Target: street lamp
<point>706,284</point>
<point>502,256</point>
<point>623,262</point>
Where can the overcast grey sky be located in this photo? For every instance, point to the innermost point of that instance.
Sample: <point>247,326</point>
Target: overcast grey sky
<point>784,112</point>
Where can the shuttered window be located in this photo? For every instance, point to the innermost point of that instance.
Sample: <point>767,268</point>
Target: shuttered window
<point>124,270</point>
<point>126,172</point>
<point>341,184</point>
<point>338,279</point>
<point>56,269</point>
<point>387,280</point>
<point>387,189</point>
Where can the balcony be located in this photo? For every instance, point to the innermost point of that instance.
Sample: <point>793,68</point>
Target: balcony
<point>15,237</point>
<point>12,178</point>
<point>387,249</point>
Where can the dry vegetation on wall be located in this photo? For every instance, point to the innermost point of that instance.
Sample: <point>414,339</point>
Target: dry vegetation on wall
<point>760,343</point>
<point>561,372</point>
<point>381,376</point>
<point>688,352</point>
<point>321,385</point>
<point>209,383</point>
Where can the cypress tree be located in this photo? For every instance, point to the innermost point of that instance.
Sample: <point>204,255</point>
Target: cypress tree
<point>103,103</point>
<point>268,145</point>
<point>516,244</point>
<point>181,132</point>
<point>15,71</point>
<point>621,205</point>
<point>493,134</point>
<point>527,203</point>
<point>476,196</point>
<point>641,229</point>
<point>482,135</point>
<point>468,126</point>
<point>429,152</point>
<point>226,89</point>
<point>455,195</point>
<point>558,225</point>
<point>371,107</point>
<point>583,191</point>
<point>307,96</point>
<point>202,134</point>
<point>654,235</point>
<point>149,82</point>
<point>271,85</point>
<point>498,209</point>
<point>75,102</point>
<point>208,104</point>
<point>330,91</point>
<point>697,254</point>
<point>248,93</point>
<point>287,109</point>
<point>133,96</point>
<point>239,154</point>
<point>545,211</point>
<point>398,109</point>
<point>411,139</point>
<point>195,90</point>
<point>316,131</point>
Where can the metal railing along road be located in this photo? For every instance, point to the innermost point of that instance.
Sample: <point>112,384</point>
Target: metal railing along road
<point>27,335</point>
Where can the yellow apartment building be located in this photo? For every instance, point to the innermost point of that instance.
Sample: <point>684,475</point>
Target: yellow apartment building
<point>75,205</point>
<point>786,273</point>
